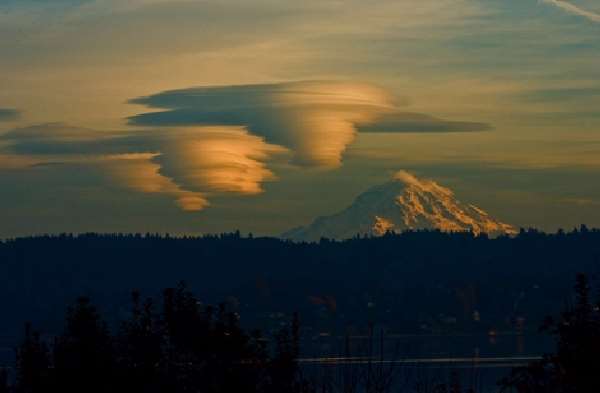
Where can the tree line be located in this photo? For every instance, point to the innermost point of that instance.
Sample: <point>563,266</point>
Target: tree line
<point>183,347</point>
<point>332,284</point>
<point>180,345</point>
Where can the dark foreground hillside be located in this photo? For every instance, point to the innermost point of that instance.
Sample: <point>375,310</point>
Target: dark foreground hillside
<point>415,282</point>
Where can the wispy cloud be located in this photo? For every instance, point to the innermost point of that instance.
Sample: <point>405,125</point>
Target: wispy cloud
<point>562,94</point>
<point>575,10</point>
<point>582,201</point>
<point>7,114</point>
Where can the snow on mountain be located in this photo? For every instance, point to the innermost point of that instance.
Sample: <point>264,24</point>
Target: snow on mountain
<point>406,202</point>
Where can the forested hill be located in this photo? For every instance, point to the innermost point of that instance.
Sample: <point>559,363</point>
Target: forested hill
<point>414,281</point>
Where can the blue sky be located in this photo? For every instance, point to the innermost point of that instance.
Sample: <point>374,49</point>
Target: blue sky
<point>499,100</point>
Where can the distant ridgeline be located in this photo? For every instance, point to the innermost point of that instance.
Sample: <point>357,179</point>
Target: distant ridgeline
<point>414,282</point>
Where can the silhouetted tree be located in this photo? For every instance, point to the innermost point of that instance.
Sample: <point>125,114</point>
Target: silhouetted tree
<point>574,367</point>
<point>83,354</point>
<point>140,349</point>
<point>206,348</point>
<point>33,364</point>
<point>285,373</point>
<point>4,388</point>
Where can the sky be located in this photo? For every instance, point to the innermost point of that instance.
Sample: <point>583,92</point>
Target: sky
<point>204,116</point>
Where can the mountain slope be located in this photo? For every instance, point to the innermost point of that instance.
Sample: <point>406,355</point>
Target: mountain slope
<point>406,202</point>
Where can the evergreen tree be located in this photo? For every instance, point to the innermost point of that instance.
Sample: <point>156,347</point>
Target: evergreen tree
<point>32,363</point>
<point>206,348</point>
<point>4,388</point>
<point>574,367</point>
<point>187,348</point>
<point>140,349</point>
<point>83,355</point>
<point>284,366</point>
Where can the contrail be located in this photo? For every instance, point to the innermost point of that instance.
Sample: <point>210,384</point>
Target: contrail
<point>573,9</point>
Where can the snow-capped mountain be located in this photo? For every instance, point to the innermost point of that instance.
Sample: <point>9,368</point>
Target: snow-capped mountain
<point>406,202</point>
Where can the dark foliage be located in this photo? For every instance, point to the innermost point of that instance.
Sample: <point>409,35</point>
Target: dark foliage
<point>413,281</point>
<point>574,367</point>
<point>83,357</point>
<point>421,277</point>
<point>33,363</point>
<point>186,347</point>
<point>4,387</point>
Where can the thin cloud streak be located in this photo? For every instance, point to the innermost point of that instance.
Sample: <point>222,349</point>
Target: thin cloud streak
<point>573,9</point>
<point>8,114</point>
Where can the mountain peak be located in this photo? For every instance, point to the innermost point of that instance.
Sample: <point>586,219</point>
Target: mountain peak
<point>406,202</point>
<point>424,185</point>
